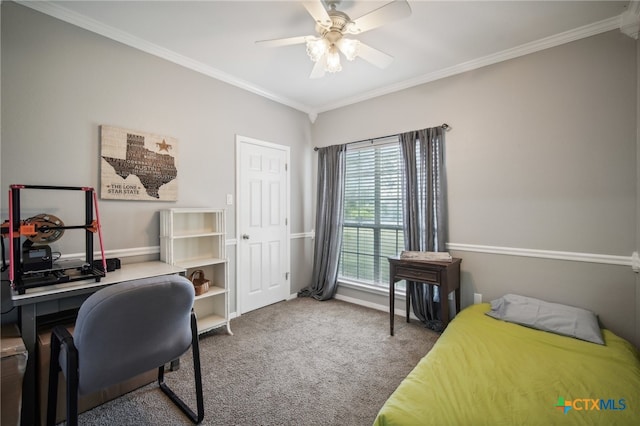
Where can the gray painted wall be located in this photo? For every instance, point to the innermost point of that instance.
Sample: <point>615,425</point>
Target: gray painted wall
<point>542,155</point>
<point>60,83</point>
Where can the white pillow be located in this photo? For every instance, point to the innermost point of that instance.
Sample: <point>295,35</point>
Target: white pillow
<point>553,317</point>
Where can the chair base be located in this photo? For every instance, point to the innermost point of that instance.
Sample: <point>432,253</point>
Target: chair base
<point>60,337</point>
<point>195,349</point>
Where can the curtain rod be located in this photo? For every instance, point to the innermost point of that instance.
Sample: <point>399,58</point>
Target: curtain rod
<point>444,126</point>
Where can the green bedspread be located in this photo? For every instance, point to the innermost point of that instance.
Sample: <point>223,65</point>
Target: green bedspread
<point>484,371</point>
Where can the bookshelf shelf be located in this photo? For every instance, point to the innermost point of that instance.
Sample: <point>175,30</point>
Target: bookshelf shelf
<point>194,239</point>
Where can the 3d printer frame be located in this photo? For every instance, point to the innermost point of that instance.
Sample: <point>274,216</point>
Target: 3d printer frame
<point>20,279</point>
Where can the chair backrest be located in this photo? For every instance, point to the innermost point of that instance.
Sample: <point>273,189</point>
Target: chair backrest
<point>130,328</point>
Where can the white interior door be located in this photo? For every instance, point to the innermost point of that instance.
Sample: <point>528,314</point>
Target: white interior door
<point>263,229</point>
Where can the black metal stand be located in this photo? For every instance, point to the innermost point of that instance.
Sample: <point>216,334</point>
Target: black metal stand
<point>22,280</point>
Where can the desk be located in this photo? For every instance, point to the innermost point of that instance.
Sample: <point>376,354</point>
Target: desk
<point>61,297</point>
<point>445,275</point>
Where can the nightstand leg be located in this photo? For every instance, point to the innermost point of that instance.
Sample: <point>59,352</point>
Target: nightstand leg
<point>408,288</point>
<point>444,305</point>
<point>392,294</point>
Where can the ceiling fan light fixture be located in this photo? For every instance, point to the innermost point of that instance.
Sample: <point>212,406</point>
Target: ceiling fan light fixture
<point>332,25</point>
<point>333,61</point>
<point>349,47</point>
<point>316,48</point>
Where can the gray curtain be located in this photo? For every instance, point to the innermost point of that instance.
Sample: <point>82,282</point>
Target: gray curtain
<point>425,227</point>
<point>328,240</point>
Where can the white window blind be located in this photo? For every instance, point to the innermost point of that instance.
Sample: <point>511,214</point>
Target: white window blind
<point>372,227</point>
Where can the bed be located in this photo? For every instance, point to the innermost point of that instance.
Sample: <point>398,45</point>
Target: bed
<point>487,371</point>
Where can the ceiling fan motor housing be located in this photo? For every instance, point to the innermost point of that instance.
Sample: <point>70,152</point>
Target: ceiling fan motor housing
<point>339,22</point>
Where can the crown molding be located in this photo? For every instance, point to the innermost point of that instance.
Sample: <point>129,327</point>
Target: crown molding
<point>102,29</point>
<point>630,20</point>
<point>626,22</point>
<point>524,49</point>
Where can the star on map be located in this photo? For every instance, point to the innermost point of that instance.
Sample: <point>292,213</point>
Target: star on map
<point>153,169</point>
<point>164,146</point>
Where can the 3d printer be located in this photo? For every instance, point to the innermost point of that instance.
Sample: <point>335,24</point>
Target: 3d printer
<point>36,252</point>
<point>34,264</point>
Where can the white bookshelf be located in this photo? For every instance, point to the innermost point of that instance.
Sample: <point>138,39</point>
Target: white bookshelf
<point>194,238</point>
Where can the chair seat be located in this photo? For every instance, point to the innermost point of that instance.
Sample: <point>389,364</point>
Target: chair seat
<point>122,331</point>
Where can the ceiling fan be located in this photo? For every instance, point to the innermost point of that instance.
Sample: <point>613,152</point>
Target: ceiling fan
<point>332,25</point>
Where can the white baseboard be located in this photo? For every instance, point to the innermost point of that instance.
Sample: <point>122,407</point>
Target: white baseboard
<point>384,308</point>
<point>376,306</point>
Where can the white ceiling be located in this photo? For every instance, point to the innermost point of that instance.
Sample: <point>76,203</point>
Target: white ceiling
<point>439,39</point>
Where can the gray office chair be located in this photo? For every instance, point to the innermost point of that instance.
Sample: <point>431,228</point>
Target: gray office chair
<point>121,331</point>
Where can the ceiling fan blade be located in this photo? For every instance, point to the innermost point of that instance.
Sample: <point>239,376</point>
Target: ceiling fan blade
<point>393,11</point>
<point>277,42</point>
<point>318,69</point>
<point>374,56</point>
<point>317,10</point>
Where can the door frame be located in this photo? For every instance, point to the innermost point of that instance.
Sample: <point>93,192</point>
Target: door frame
<point>241,141</point>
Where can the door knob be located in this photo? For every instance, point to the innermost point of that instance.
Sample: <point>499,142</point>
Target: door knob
<point>245,236</point>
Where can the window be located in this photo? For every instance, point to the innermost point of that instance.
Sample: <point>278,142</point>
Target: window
<point>372,228</point>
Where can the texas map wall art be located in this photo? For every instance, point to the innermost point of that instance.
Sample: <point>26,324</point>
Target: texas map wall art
<point>138,166</point>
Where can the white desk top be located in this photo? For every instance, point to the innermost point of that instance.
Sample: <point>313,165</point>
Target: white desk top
<point>127,272</point>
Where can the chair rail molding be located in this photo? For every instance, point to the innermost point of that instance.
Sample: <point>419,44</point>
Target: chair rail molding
<point>127,252</point>
<point>143,251</point>
<point>633,261</point>
<point>310,234</point>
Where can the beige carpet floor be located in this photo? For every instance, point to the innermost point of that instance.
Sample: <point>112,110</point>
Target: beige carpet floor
<point>300,362</point>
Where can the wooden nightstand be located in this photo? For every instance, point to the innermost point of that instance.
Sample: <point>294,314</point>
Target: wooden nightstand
<point>445,275</point>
